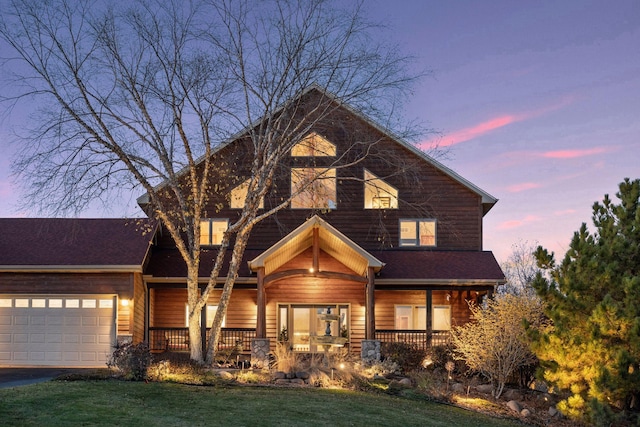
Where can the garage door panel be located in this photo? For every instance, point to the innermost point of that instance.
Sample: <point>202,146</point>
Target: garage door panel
<point>56,330</point>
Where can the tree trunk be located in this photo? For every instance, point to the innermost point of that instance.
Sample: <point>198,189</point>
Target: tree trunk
<point>194,317</point>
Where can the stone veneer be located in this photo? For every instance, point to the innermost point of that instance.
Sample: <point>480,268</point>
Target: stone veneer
<point>370,351</point>
<point>260,349</point>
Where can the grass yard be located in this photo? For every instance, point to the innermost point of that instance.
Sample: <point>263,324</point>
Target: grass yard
<point>110,403</point>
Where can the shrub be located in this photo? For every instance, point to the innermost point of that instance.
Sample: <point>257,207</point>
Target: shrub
<point>408,356</point>
<point>132,360</point>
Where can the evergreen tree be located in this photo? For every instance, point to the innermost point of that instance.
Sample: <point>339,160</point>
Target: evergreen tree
<point>593,299</point>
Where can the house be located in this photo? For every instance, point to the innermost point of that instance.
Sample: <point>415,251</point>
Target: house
<point>375,251</point>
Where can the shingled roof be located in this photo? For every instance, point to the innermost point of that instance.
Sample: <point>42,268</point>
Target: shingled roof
<point>401,267</point>
<point>62,243</point>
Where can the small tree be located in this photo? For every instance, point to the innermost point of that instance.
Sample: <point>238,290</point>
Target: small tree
<point>520,269</point>
<point>495,343</point>
<point>593,299</point>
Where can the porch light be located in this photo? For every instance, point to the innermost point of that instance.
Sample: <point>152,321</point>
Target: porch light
<point>124,302</point>
<point>311,270</point>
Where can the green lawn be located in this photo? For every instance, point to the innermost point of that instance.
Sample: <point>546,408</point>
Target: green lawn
<point>164,404</point>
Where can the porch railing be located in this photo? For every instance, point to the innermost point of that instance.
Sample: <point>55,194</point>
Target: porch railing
<point>418,337</point>
<point>177,339</point>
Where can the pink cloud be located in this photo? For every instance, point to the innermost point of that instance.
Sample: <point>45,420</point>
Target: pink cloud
<point>492,124</point>
<point>519,222</point>
<point>572,154</point>
<point>516,188</point>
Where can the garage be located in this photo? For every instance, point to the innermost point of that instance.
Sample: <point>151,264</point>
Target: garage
<point>57,330</point>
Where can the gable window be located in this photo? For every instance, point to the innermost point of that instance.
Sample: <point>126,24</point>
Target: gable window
<point>315,188</point>
<point>239,195</point>
<point>212,231</point>
<point>313,145</point>
<point>378,194</point>
<point>417,232</point>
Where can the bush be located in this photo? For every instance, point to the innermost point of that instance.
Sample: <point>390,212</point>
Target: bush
<point>408,356</point>
<point>132,360</point>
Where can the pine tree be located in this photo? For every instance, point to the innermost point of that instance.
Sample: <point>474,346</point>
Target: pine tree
<point>593,299</point>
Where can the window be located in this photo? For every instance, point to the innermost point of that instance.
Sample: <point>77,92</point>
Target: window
<point>417,232</point>
<point>318,187</point>
<point>411,317</point>
<point>378,194</point>
<point>441,317</point>
<point>415,317</point>
<point>212,231</point>
<point>239,195</point>
<point>313,145</point>
<point>211,313</point>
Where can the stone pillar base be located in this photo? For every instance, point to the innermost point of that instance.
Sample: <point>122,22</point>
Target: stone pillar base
<point>370,352</point>
<point>260,349</point>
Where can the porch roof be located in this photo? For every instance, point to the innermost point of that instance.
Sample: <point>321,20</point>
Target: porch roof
<point>440,266</point>
<point>419,267</point>
<point>67,244</point>
<point>330,240</point>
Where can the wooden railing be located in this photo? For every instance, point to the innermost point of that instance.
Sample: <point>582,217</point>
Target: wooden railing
<point>177,339</point>
<point>417,337</point>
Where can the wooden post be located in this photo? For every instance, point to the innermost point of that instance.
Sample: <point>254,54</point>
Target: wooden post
<point>316,250</point>
<point>429,319</point>
<point>261,320</point>
<point>370,303</point>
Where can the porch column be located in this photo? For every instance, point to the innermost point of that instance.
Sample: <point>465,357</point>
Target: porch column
<point>370,305</point>
<point>429,319</point>
<point>261,301</point>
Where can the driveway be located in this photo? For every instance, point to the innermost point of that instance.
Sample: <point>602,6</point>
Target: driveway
<point>14,377</point>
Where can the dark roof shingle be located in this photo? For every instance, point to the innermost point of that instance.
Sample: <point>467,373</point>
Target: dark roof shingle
<point>74,242</point>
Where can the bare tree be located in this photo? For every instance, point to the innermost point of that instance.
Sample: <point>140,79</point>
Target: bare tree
<point>520,269</point>
<point>144,96</point>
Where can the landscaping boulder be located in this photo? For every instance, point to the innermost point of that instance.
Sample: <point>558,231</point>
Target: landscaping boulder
<point>512,394</point>
<point>297,381</point>
<point>554,412</point>
<point>405,382</point>
<point>279,375</point>
<point>302,375</point>
<point>525,413</point>
<point>225,375</point>
<point>484,388</point>
<point>514,406</point>
<point>282,381</point>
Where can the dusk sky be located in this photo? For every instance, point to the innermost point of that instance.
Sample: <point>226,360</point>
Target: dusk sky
<point>538,103</point>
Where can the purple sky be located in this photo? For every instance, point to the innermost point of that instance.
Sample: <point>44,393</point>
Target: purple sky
<point>537,101</point>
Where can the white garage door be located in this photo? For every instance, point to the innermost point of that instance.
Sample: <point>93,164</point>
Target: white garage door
<point>57,330</point>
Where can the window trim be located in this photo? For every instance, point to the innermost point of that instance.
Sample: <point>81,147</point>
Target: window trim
<point>406,243</point>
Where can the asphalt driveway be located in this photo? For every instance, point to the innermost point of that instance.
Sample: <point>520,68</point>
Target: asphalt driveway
<point>14,377</point>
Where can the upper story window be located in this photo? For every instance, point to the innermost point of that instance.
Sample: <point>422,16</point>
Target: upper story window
<point>378,194</point>
<point>313,145</point>
<point>417,232</point>
<point>212,231</point>
<point>318,188</point>
<point>239,195</point>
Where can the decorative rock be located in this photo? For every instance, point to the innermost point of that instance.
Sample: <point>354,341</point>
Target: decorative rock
<point>283,381</point>
<point>458,388</point>
<point>260,349</point>
<point>525,413</point>
<point>289,375</point>
<point>514,406</point>
<point>370,351</point>
<point>279,375</point>
<point>405,382</point>
<point>512,394</point>
<point>484,388</point>
<point>297,381</point>
<point>539,386</point>
<point>225,375</point>
<point>553,411</point>
<point>303,375</point>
